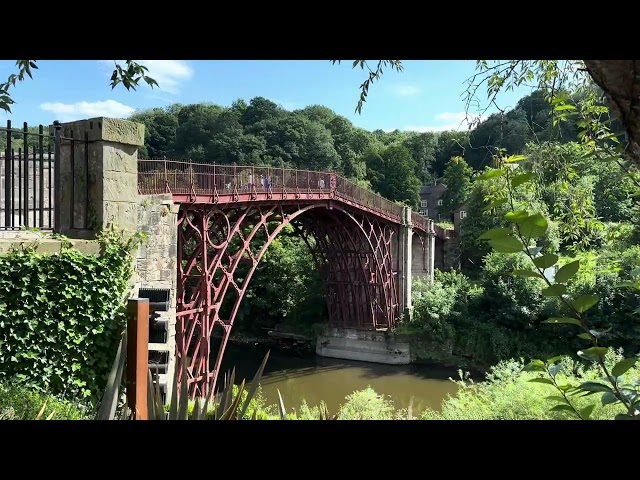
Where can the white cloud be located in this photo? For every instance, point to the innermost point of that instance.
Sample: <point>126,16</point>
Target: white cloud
<point>453,121</point>
<point>170,74</point>
<point>405,90</point>
<point>75,111</point>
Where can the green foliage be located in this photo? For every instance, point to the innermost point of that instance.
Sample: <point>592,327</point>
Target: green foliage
<point>286,288</point>
<point>577,305</point>
<point>61,315</point>
<point>366,405</point>
<point>400,182</point>
<point>438,307</point>
<point>509,393</point>
<point>457,177</point>
<point>18,402</point>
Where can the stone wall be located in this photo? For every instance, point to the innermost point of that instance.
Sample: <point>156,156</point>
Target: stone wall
<point>156,264</point>
<point>10,240</point>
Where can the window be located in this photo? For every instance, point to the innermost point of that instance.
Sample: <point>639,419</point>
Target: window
<point>424,213</point>
<point>439,203</point>
<point>462,214</point>
<point>423,203</point>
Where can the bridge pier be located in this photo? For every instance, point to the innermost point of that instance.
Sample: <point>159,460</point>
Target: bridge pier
<point>405,263</point>
<point>98,164</point>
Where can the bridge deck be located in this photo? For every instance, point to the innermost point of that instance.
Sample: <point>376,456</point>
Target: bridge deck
<point>222,184</point>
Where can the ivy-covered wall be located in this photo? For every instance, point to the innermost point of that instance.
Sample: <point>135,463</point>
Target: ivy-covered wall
<point>62,315</point>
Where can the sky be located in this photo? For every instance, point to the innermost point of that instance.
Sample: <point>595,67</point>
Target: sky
<point>427,96</point>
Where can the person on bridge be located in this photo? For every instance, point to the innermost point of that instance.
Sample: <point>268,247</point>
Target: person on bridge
<point>321,183</point>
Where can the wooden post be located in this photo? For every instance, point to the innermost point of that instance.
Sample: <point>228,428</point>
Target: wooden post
<point>138,356</point>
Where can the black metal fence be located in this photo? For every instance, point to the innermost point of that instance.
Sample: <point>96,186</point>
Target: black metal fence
<point>31,185</point>
<point>27,177</point>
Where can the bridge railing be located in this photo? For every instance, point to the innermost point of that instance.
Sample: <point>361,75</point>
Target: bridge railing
<point>183,178</point>
<point>419,220</point>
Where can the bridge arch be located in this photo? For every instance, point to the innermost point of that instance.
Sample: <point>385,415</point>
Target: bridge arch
<point>220,247</point>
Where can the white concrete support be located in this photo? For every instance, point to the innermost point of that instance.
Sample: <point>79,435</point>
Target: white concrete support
<point>405,254</point>
<point>431,251</point>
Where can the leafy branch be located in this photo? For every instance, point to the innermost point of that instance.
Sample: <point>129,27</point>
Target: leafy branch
<point>128,75</point>
<point>528,227</point>
<point>373,75</point>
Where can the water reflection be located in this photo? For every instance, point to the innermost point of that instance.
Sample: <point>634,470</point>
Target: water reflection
<point>316,378</point>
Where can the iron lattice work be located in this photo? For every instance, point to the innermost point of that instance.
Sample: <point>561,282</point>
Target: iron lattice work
<point>220,247</point>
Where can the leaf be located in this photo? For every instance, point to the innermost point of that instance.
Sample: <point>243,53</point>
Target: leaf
<point>541,380</point>
<point>593,354</point>
<point>254,384</point>
<point>554,290</point>
<point>534,366</point>
<point>516,216</point>
<point>561,408</point>
<point>560,108</point>
<point>545,261</point>
<point>585,412</point>
<point>623,365</point>
<point>507,244</point>
<point>567,271</point>
<point>567,320</point>
<point>495,203</point>
<point>281,409</point>
<point>493,173</point>
<point>522,178</point>
<point>608,398</point>
<point>553,360</point>
<point>583,303</point>
<point>110,397</point>
<point>496,233</point>
<point>554,370</point>
<point>515,158</point>
<point>584,336</point>
<point>534,226</point>
<point>556,398</point>
<point>526,273</point>
<point>594,387</point>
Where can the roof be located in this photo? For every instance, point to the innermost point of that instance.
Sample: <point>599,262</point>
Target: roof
<point>431,188</point>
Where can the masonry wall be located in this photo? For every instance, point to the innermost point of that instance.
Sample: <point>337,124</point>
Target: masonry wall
<point>419,264</point>
<point>156,263</point>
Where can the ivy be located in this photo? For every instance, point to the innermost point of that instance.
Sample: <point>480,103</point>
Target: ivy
<point>62,314</point>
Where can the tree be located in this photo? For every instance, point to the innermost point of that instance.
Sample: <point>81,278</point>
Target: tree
<point>423,149</point>
<point>457,178</point>
<point>400,182</point>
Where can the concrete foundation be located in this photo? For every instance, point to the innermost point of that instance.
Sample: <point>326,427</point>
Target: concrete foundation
<point>364,346</point>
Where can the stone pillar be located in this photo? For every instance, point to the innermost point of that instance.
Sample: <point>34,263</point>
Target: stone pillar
<point>98,176</point>
<point>405,256</point>
<point>431,251</point>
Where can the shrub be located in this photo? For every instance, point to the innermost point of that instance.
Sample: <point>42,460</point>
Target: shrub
<point>509,394</point>
<point>61,315</point>
<point>366,405</point>
<point>18,402</point>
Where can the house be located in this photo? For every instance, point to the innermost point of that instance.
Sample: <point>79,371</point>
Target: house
<point>431,200</point>
<point>459,214</point>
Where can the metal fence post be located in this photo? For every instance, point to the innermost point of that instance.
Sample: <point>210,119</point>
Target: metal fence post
<point>138,356</point>
<point>57,189</point>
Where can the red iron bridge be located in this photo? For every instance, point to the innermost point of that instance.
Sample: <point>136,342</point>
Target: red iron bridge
<point>366,248</point>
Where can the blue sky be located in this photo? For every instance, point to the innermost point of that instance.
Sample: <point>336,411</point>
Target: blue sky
<point>426,96</point>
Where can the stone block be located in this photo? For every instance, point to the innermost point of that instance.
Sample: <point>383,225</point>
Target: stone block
<point>107,129</point>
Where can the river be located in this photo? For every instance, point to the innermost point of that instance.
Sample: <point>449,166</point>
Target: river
<point>314,378</point>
